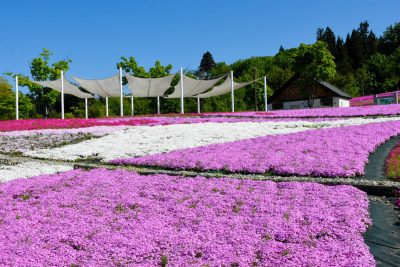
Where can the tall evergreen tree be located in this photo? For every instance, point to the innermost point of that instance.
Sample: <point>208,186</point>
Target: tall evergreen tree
<point>360,45</point>
<point>341,58</point>
<point>206,64</point>
<point>327,36</point>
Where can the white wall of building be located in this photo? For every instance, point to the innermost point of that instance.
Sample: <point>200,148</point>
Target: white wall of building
<point>301,104</point>
<point>344,103</point>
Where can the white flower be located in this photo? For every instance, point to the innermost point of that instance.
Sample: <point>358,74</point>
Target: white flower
<point>30,169</point>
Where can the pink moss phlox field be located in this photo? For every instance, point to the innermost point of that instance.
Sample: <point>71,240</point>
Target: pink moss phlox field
<point>34,124</point>
<point>52,124</point>
<point>379,110</point>
<point>331,152</point>
<point>119,218</point>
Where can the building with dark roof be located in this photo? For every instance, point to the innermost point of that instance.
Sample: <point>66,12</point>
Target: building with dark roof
<point>322,94</point>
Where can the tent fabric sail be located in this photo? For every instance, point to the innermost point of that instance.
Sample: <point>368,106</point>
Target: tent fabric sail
<point>223,88</point>
<point>109,87</point>
<point>69,88</point>
<point>192,87</point>
<point>149,87</point>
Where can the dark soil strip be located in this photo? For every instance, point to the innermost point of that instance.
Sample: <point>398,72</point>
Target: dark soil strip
<point>375,168</point>
<point>383,237</point>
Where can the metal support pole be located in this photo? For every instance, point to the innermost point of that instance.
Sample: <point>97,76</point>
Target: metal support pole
<point>255,91</point>
<point>121,93</point>
<point>158,105</point>
<point>86,109</point>
<point>132,106</point>
<point>265,93</point>
<point>106,106</point>
<point>198,105</point>
<point>16,98</point>
<point>62,94</point>
<point>182,104</point>
<point>232,93</point>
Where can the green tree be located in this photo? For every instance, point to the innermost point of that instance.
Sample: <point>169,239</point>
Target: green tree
<point>146,105</point>
<point>220,68</point>
<point>129,65</point>
<point>378,65</point>
<point>7,102</point>
<point>41,70</point>
<point>278,76</point>
<point>159,70</point>
<point>395,66</point>
<point>395,63</point>
<point>342,60</point>
<point>206,64</point>
<point>364,80</point>
<point>247,70</point>
<point>313,62</point>
<point>390,39</point>
<point>327,36</point>
<point>360,45</point>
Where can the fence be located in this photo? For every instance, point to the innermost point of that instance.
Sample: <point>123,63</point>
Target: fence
<point>378,99</point>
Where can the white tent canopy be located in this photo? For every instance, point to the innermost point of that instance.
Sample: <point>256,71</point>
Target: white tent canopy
<point>69,88</point>
<point>192,87</point>
<point>148,87</point>
<point>223,88</point>
<point>109,87</point>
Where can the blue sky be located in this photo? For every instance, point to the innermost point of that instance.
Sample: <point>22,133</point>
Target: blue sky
<point>95,34</point>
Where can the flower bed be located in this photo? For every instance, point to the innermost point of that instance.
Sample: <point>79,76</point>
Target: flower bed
<point>34,124</point>
<point>15,170</point>
<point>332,152</point>
<point>139,141</point>
<point>119,218</point>
<point>52,125</point>
<point>393,163</point>
<point>93,130</point>
<point>381,110</point>
<point>12,144</point>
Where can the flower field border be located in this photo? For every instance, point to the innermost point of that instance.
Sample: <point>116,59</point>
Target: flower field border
<point>393,163</point>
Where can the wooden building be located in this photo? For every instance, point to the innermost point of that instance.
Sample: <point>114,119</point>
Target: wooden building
<point>322,94</point>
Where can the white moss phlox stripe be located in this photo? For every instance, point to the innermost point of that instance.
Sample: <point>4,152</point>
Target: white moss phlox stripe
<point>30,169</point>
<point>139,141</point>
